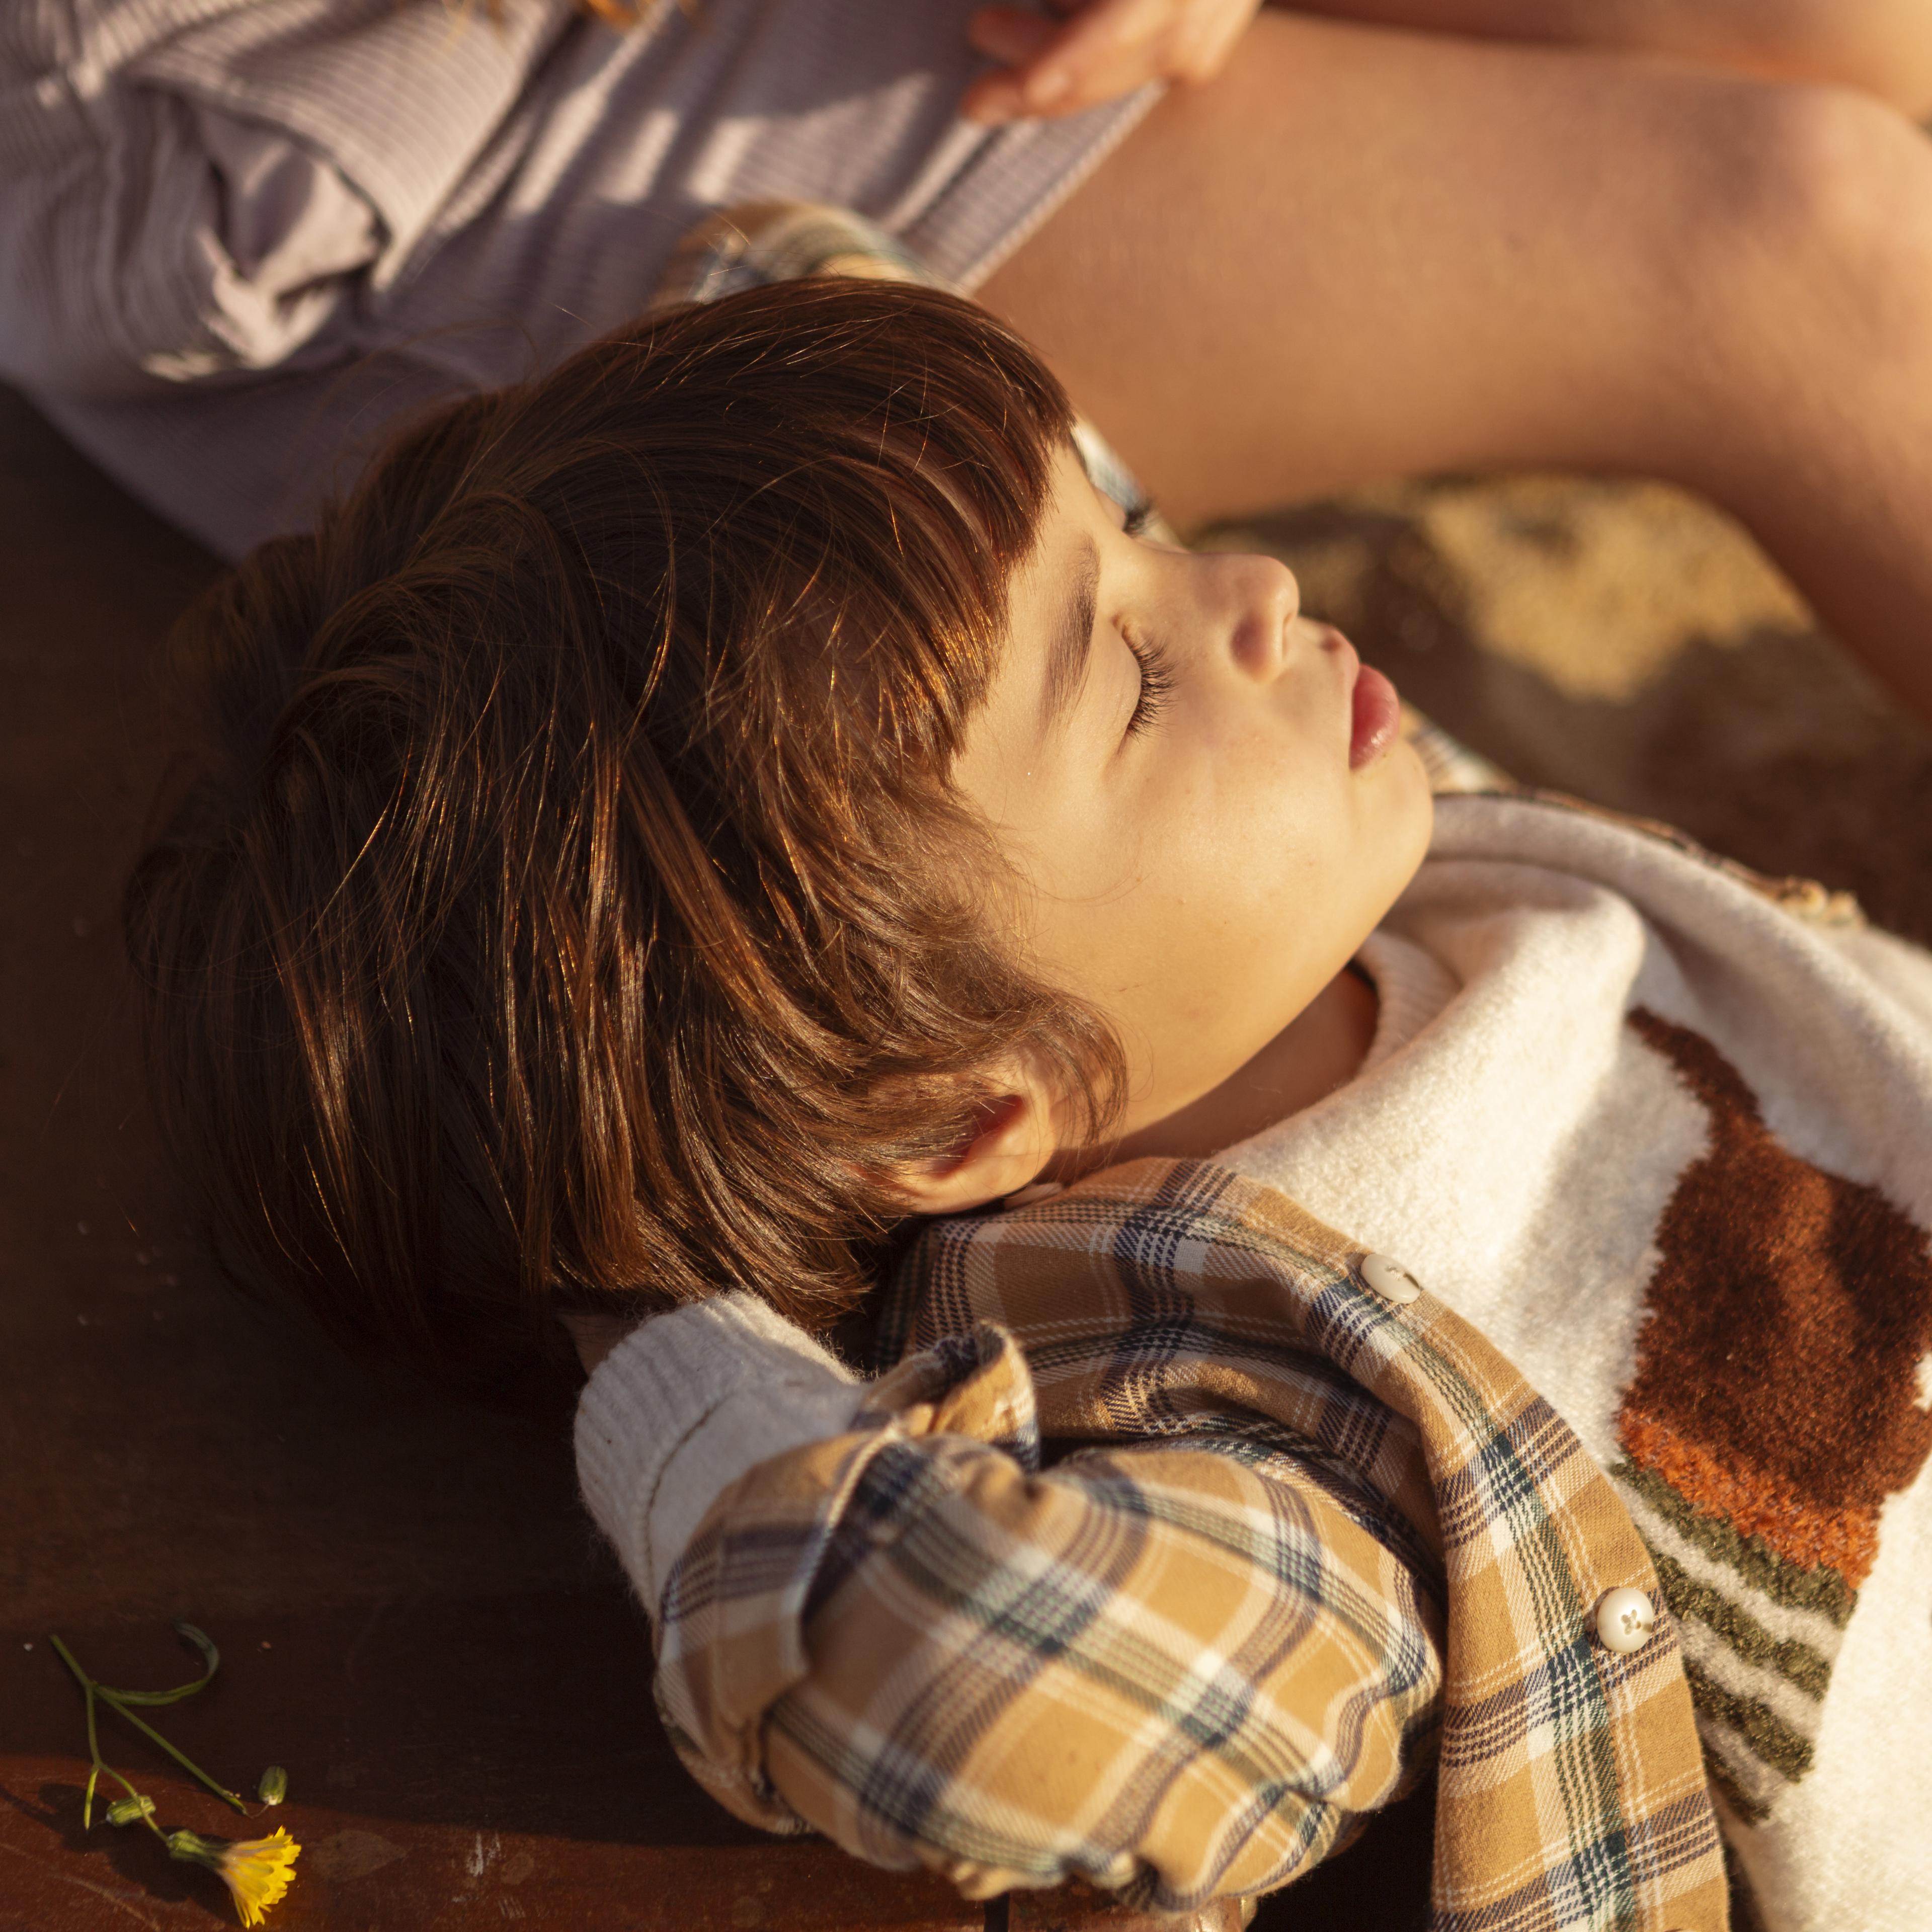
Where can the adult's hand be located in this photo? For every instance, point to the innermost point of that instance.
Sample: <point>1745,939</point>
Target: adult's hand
<point>1095,51</point>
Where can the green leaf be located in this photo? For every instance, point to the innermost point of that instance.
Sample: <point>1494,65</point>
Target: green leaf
<point>210,1659</point>
<point>192,1633</point>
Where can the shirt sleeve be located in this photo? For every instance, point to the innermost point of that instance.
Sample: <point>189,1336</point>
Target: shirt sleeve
<point>199,193</point>
<point>1179,1669</point>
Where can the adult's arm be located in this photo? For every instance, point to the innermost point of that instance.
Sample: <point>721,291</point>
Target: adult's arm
<point>1179,1669</point>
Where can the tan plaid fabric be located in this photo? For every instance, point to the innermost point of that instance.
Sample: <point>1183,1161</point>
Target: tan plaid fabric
<point>1185,1655</point>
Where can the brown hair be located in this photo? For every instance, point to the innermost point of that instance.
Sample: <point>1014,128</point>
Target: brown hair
<point>569,898</point>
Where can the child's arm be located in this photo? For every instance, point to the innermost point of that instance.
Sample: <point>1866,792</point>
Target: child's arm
<point>1182,1668</point>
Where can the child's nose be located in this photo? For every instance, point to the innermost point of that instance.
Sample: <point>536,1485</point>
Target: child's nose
<point>1268,602</point>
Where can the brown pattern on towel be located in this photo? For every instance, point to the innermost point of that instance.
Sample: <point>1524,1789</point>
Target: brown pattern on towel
<point>1773,1408</point>
<point>1777,1382</point>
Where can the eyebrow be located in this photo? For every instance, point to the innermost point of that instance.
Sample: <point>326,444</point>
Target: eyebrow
<point>1072,642</point>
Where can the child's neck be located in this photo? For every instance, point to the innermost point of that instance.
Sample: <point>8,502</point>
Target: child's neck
<point>1322,1049</point>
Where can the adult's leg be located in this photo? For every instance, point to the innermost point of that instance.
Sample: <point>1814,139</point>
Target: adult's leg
<point>1884,46</point>
<point>1360,253</point>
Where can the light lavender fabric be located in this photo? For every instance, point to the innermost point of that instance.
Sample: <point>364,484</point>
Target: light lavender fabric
<point>238,237</point>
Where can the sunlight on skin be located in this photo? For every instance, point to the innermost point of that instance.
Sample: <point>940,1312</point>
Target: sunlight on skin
<point>1206,828</point>
<point>1205,803</point>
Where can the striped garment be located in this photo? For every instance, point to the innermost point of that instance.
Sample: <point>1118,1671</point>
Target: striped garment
<point>242,237</point>
<point>1292,1528</point>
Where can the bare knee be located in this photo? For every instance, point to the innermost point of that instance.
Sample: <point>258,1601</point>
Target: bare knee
<point>1801,252</point>
<point>1812,179</point>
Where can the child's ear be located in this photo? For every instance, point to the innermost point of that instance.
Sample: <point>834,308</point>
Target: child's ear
<point>1011,1139</point>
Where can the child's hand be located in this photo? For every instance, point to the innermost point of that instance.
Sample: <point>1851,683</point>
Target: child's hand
<point>1096,50</point>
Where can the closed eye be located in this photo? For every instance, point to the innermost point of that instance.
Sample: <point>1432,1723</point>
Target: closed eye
<point>1156,670</point>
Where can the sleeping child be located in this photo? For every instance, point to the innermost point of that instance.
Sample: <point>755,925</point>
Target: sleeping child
<point>740,839</point>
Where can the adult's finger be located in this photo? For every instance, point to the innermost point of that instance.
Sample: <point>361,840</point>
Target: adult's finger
<point>1106,50</point>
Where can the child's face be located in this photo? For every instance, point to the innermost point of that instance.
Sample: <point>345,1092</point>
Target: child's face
<point>1201,791</point>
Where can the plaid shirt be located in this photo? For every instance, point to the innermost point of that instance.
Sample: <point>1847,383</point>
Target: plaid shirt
<point>1286,1534</point>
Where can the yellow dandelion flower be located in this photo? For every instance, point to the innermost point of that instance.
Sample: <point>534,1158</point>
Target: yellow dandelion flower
<point>256,1870</point>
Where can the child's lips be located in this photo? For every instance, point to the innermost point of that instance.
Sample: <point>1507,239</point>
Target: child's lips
<point>1375,716</point>
<point>1375,711</point>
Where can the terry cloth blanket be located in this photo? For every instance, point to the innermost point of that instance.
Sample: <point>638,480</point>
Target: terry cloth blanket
<point>1660,1133</point>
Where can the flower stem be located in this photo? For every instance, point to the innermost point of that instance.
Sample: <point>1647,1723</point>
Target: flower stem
<point>90,1690</point>
<point>94,1757</point>
<point>93,1690</point>
<point>187,1763</point>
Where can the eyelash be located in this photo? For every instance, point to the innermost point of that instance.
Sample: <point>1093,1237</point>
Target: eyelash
<point>1157,686</point>
<point>1138,515</point>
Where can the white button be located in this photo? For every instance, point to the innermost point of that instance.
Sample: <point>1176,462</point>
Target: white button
<point>1625,1620</point>
<point>1389,1279</point>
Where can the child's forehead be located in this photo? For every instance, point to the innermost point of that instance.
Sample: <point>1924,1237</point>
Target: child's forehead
<point>1044,647</point>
